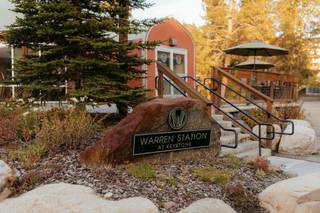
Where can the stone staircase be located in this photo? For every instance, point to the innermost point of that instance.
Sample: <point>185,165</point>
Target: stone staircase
<point>246,146</point>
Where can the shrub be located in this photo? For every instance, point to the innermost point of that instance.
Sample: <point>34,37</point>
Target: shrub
<point>290,112</point>
<point>259,115</point>
<point>213,175</point>
<point>261,164</point>
<point>30,154</point>
<point>237,193</point>
<point>8,123</point>
<point>143,171</point>
<point>27,126</point>
<point>65,130</point>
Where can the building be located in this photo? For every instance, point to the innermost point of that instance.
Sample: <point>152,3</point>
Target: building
<point>177,51</point>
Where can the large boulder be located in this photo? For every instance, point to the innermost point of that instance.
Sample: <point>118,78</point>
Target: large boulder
<point>302,142</point>
<point>301,123</point>
<point>63,197</point>
<point>7,178</point>
<point>208,205</point>
<point>276,138</point>
<point>295,195</point>
<point>149,117</point>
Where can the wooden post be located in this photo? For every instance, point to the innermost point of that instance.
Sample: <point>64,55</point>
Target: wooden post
<point>271,90</point>
<point>268,129</point>
<point>219,86</point>
<point>160,84</point>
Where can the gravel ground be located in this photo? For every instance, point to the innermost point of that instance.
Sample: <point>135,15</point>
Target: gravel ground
<point>115,183</point>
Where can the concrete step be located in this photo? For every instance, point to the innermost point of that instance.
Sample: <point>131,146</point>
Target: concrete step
<point>230,139</point>
<point>217,117</point>
<point>227,133</point>
<point>242,147</point>
<point>254,153</point>
<point>225,124</point>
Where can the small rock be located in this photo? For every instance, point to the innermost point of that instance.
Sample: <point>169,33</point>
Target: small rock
<point>208,205</point>
<point>108,195</point>
<point>169,205</point>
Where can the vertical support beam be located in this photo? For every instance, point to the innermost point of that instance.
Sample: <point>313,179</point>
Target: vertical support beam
<point>160,84</point>
<point>269,129</point>
<point>272,90</point>
<point>13,92</point>
<point>219,78</point>
<point>212,98</point>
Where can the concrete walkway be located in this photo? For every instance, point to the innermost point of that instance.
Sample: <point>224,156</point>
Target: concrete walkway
<point>302,165</point>
<point>294,166</point>
<point>312,112</point>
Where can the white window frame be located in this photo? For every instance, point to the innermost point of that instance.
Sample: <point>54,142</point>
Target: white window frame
<point>171,51</point>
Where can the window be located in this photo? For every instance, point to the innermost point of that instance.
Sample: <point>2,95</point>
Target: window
<point>176,60</point>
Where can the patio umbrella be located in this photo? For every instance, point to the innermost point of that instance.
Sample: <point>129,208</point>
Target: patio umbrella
<point>251,64</point>
<point>256,48</point>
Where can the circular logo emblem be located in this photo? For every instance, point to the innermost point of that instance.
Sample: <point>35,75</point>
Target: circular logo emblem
<point>177,118</point>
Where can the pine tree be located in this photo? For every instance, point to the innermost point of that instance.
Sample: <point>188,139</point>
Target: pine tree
<point>293,26</point>
<point>256,21</point>
<point>81,41</point>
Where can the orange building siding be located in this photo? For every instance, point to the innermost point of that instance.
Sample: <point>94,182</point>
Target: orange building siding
<point>169,28</point>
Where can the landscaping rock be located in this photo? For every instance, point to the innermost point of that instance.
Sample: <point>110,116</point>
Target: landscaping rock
<point>63,197</point>
<point>149,117</point>
<point>208,205</point>
<point>295,195</point>
<point>302,142</point>
<point>276,139</point>
<point>301,123</point>
<point>7,178</point>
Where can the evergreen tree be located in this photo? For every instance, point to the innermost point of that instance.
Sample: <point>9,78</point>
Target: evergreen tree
<point>81,41</point>
<point>293,27</point>
<point>256,21</point>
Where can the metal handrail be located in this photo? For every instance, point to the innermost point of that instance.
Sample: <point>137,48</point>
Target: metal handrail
<point>164,70</point>
<point>258,106</point>
<point>221,127</point>
<point>243,112</point>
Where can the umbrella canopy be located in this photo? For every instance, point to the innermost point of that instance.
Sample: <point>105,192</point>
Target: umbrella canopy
<point>256,48</point>
<point>257,64</point>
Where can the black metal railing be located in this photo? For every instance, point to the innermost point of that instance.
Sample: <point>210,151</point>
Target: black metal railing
<point>260,124</point>
<point>269,114</point>
<point>236,141</point>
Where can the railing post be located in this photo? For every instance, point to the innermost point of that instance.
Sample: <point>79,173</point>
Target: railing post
<point>160,84</point>
<point>268,129</point>
<point>271,90</point>
<point>219,89</point>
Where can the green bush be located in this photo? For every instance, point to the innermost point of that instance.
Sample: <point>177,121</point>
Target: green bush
<point>143,171</point>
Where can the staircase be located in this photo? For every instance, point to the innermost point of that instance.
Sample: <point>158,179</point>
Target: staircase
<point>236,138</point>
<point>246,146</point>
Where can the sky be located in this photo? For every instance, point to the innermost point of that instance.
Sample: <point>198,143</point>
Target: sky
<point>186,11</point>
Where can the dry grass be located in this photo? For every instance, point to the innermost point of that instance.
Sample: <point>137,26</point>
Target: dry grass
<point>29,155</point>
<point>213,175</point>
<point>261,164</point>
<point>67,132</point>
<point>143,171</point>
<point>8,124</point>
